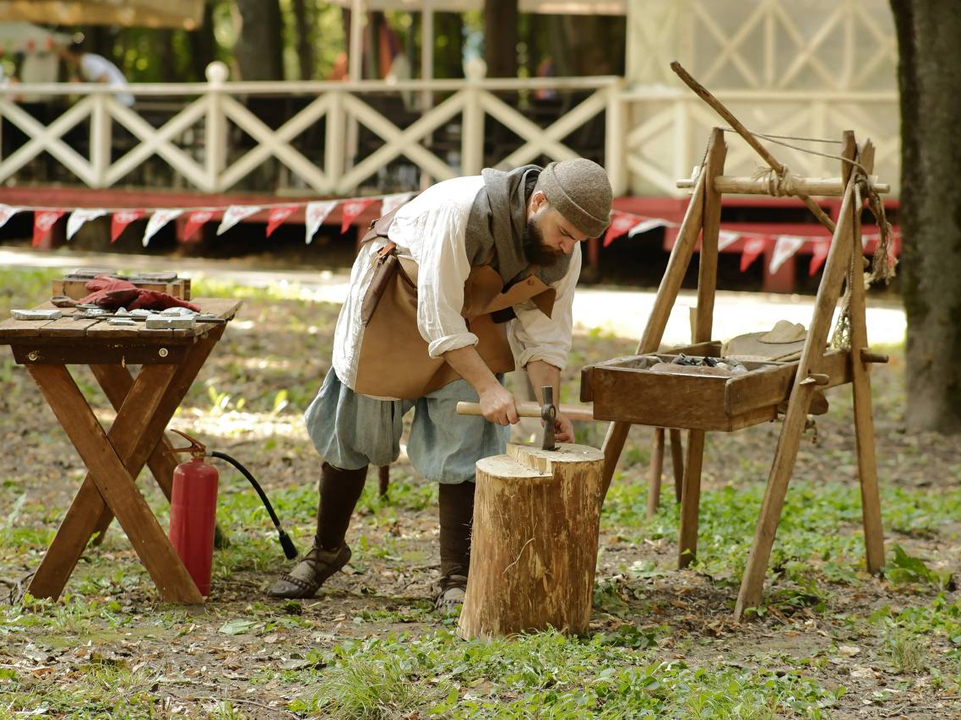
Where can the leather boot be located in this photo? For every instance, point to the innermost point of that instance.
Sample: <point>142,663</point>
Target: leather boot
<point>456,510</point>
<point>339,492</point>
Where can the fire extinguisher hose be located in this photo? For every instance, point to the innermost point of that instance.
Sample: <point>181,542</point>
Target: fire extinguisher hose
<point>288,545</point>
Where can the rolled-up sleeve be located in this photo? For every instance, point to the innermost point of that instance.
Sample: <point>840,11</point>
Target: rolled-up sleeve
<point>534,336</point>
<point>442,271</point>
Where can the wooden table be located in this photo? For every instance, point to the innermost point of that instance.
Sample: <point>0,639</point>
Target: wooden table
<point>170,361</point>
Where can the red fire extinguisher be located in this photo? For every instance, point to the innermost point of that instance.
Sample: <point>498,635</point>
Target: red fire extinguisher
<point>193,511</point>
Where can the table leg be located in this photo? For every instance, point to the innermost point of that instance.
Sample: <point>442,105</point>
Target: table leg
<point>107,470</point>
<point>164,461</point>
<point>116,382</point>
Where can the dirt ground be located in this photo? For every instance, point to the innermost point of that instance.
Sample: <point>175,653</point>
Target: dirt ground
<point>876,647</point>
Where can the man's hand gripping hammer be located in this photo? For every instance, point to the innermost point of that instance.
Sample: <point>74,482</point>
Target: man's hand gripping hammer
<point>546,412</point>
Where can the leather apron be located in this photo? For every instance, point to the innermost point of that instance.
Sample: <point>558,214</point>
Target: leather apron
<point>394,361</point>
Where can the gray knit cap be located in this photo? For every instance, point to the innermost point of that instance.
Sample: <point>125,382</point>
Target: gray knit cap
<point>580,190</point>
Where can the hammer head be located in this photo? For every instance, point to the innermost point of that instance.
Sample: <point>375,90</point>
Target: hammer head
<point>548,415</point>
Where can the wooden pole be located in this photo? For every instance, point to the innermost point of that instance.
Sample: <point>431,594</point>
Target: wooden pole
<point>534,544</point>
<point>861,388</point>
<point>824,187</point>
<point>703,326</point>
<point>835,270</point>
<point>654,478</point>
<point>677,462</point>
<point>719,108</point>
<point>663,302</point>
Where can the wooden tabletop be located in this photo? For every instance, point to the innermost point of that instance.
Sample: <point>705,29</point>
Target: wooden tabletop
<point>96,330</point>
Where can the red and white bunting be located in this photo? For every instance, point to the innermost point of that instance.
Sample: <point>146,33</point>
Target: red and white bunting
<point>234,214</point>
<point>819,253</point>
<point>43,222</point>
<point>7,212</point>
<point>78,218</point>
<point>753,247</point>
<point>352,210</point>
<point>157,220</point>
<point>784,249</point>
<point>314,216</point>
<point>726,238</point>
<point>277,216</point>
<point>621,223</point>
<point>195,221</point>
<point>392,202</point>
<point>120,220</point>
<point>646,224</point>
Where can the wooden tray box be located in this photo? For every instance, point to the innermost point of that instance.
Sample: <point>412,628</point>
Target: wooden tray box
<point>77,288</point>
<point>623,392</point>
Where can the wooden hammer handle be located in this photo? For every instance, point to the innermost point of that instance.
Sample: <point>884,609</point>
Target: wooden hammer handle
<point>527,409</point>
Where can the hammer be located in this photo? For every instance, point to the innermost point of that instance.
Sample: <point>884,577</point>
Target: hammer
<point>546,412</point>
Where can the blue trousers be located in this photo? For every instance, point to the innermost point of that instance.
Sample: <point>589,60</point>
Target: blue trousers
<point>351,431</point>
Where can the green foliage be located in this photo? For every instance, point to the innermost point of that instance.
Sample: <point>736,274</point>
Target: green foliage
<point>906,569</point>
<point>545,675</point>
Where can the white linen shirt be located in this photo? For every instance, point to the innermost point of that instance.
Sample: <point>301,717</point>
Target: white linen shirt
<point>431,229</point>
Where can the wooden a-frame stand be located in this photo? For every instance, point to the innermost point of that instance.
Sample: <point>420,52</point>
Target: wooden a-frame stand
<point>702,219</point>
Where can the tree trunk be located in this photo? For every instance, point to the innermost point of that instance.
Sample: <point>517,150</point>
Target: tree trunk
<point>500,37</point>
<point>534,545</point>
<point>305,46</point>
<point>259,45</point>
<point>929,75</point>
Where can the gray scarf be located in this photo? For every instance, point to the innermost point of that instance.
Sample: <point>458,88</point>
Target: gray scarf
<point>497,222</point>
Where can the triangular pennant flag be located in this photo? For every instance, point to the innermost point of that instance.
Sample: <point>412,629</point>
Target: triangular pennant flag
<point>234,214</point>
<point>277,216</point>
<point>784,249</point>
<point>726,238</point>
<point>753,247</point>
<point>314,216</point>
<point>392,202</point>
<point>621,223</point>
<point>158,220</point>
<point>43,221</point>
<point>122,219</point>
<point>81,216</point>
<point>352,209</point>
<point>7,212</point>
<point>195,221</point>
<point>644,225</point>
<point>819,252</point>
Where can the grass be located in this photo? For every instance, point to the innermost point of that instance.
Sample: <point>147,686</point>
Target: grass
<point>370,646</point>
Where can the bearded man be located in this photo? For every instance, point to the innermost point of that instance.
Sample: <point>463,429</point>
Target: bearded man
<point>473,278</point>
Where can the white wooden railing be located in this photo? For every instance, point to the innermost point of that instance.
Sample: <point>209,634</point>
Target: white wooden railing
<point>652,135</point>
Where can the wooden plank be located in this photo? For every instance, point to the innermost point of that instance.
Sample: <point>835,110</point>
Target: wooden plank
<point>107,470</point>
<point>703,325</point>
<point>654,476</point>
<point>654,330</point>
<point>835,269</point>
<point>66,327</point>
<point>861,387</point>
<point>659,399</point>
<point>82,353</point>
<point>11,329</point>
<point>772,385</point>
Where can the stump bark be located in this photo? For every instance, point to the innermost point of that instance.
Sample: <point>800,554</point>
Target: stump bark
<point>534,547</point>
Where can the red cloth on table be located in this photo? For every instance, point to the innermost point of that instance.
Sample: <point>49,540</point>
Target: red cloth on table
<point>112,294</point>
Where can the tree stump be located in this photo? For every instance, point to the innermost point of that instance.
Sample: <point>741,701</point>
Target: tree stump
<point>534,547</point>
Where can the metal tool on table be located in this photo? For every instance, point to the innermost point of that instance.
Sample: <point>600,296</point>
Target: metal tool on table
<point>546,412</point>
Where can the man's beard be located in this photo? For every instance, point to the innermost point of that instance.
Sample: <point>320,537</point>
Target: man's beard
<point>535,249</point>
